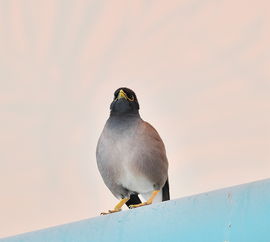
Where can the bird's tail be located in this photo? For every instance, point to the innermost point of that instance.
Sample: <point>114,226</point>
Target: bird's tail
<point>166,191</point>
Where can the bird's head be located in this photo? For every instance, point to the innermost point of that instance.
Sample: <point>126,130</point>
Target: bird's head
<point>124,102</point>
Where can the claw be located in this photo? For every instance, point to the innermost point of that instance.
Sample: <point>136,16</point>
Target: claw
<point>117,208</point>
<point>110,211</point>
<point>139,205</point>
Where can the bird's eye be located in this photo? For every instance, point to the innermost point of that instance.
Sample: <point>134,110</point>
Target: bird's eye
<point>130,97</point>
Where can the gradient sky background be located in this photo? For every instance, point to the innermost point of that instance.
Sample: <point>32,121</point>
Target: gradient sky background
<point>201,71</point>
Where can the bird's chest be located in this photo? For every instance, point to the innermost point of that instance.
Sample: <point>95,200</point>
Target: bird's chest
<point>116,149</point>
<point>119,144</point>
<point>124,154</point>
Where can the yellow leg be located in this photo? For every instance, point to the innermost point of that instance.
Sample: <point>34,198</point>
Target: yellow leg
<point>117,208</point>
<point>148,202</point>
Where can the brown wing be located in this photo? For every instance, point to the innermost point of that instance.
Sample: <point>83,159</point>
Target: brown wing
<point>152,161</point>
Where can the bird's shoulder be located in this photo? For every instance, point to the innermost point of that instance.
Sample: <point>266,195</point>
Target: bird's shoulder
<point>150,132</point>
<point>152,146</point>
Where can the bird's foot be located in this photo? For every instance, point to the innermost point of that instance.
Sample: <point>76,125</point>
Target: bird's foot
<point>111,211</point>
<point>117,208</point>
<point>140,205</point>
<point>148,202</point>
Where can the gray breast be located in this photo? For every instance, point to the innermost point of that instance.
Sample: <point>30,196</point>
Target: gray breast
<point>131,156</point>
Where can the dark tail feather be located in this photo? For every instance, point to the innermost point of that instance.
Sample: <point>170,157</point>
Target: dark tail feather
<point>134,199</point>
<point>166,191</point>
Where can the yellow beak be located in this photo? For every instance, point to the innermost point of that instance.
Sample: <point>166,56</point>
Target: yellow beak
<point>122,94</point>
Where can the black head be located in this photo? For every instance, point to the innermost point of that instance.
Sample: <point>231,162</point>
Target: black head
<point>124,102</point>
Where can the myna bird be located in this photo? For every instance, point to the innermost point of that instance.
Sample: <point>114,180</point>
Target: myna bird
<point>131,156</point>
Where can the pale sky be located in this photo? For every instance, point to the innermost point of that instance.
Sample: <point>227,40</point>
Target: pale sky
<point>201,73</point>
